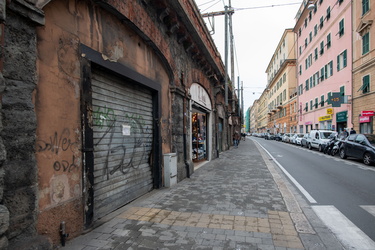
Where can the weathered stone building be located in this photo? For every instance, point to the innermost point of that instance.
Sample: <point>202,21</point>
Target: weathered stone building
<point>95,94</point>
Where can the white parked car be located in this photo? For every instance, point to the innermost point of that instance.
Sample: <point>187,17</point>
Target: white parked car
<point>319,139</point>
<point>285,137</point>
<point>297,138</point>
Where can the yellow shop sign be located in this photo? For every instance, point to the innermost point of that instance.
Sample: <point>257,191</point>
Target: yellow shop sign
<point>330,111</point>
<point>325,118</point>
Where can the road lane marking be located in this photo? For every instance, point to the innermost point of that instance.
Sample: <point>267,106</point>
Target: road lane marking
<point>349,234</point>
<point>295,182</point>
<point>369,209</point>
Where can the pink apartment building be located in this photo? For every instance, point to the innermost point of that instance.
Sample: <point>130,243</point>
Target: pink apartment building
<point>324,65</point>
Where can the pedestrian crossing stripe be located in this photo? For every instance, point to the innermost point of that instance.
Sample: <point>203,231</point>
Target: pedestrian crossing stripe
<point>369,209</point>
<point>349,234</point>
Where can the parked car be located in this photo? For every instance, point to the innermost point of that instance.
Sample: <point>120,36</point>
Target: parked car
<point>319,139</point>
<point>296,139</point>
<point>286,137</point>
<point>305,140</point>
<point>269,136</point>
<point>279,136</point>
<point>360,146</point>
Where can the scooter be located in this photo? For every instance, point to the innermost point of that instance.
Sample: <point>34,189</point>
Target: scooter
<point>329,147</point>
<point>336,147</point>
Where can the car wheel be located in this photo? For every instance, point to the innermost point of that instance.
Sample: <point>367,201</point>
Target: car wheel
<point>342,154</point>
<point>309,146</point>
<point>367,159</point>
<point>320,148</point>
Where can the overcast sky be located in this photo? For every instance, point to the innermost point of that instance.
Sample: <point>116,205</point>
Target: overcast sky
<point>257,30</point>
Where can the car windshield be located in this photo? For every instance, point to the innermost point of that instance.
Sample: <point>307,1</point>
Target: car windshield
<point>325,135</point>
<point>371,139</point>
<point>333,135</point>
<point>300,135</point>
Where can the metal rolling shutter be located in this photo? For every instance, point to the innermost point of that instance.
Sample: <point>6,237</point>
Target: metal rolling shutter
<point>122,131</point>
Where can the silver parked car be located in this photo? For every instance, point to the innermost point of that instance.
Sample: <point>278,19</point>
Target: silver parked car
<point>305,140</point>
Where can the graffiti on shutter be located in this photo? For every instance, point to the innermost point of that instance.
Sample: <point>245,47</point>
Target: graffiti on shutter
<point>123,130</point>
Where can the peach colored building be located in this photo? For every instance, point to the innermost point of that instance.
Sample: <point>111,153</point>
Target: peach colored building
<point>262,113</point>
<point>282,85</point>
<point>363,66</point>
<point>324,65</point>
<point>254,116</point>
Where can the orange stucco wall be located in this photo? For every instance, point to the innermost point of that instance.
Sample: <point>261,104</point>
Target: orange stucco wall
<point>58,96</point>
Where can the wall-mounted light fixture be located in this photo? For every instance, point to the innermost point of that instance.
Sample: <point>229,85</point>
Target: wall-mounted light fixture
<point>311,5</point>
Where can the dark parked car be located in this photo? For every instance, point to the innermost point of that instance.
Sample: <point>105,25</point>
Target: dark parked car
<point>361,146</point>
<point>269,136</point>
<point>279,136</point>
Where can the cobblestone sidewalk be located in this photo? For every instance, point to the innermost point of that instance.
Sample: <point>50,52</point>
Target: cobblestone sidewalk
<point>235,202</point>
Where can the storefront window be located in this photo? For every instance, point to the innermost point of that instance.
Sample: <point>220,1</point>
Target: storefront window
<point>366,127</point>
<point>199,133</point>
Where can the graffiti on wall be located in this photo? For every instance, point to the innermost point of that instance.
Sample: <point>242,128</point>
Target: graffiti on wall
<point>129,151</point>
<point>103,117</point>
<point>60,142</point>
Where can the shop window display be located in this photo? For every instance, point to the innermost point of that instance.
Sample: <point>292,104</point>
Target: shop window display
<point>199,133</point>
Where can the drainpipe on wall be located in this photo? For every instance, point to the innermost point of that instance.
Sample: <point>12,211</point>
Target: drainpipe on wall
<point>184,121</point>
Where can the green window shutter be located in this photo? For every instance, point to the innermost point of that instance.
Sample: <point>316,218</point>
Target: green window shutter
<point>338,63</point>
<point>342,90</point>
<point>365,84</point>
<point>345,60</point>
<point>325,71</point>
<point>365,6</point>
<point>341,27</point>
<point>366,43</point>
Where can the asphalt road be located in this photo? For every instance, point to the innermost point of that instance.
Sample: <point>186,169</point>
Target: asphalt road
<point>334,184</point>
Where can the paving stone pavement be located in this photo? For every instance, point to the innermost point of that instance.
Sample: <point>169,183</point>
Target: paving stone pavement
<point>238,201</point>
